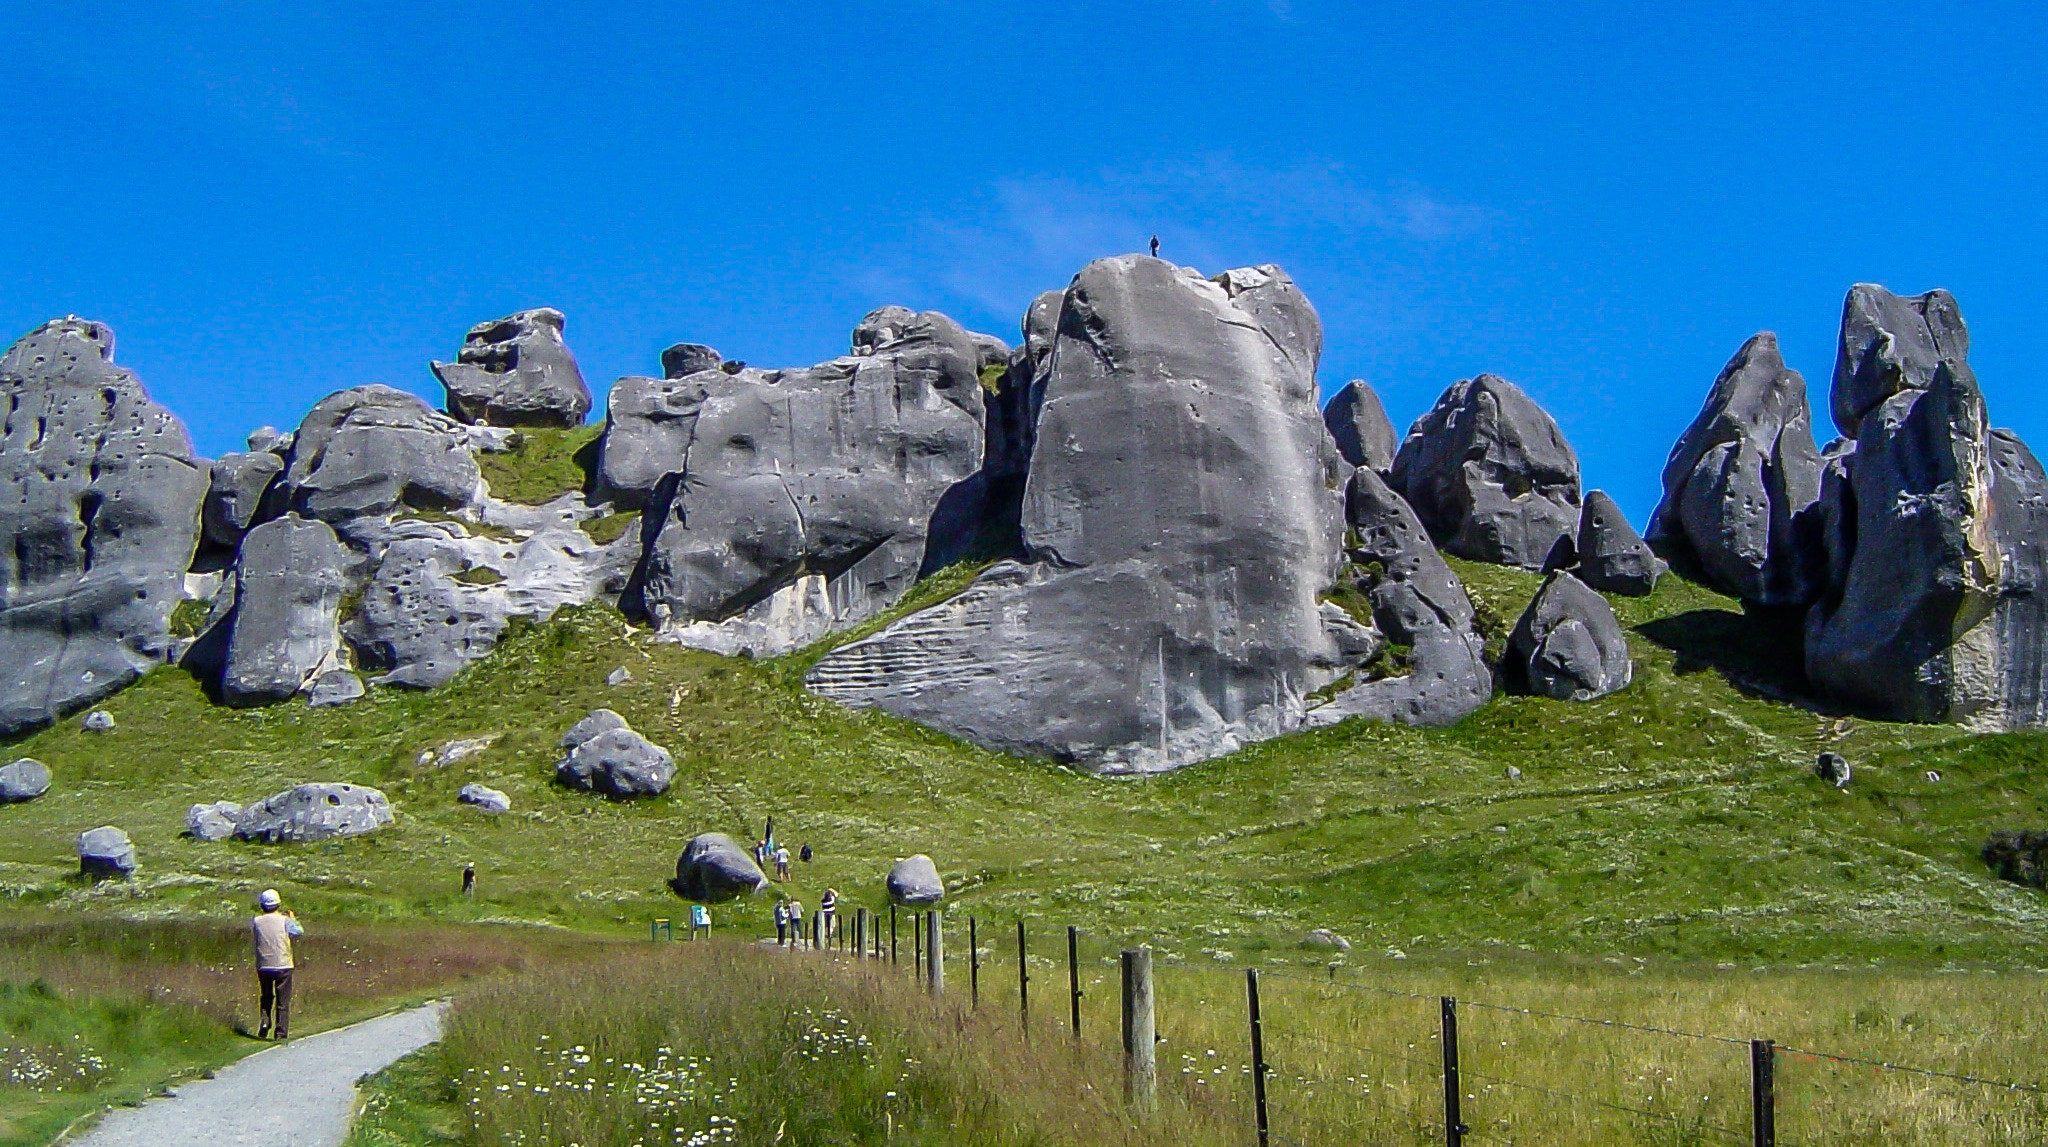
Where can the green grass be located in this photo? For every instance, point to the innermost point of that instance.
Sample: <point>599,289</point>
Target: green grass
<point>1676,820</point>
<point>542,465</point>
<point>611,527</point>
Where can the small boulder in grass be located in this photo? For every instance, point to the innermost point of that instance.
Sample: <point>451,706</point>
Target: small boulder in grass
<point>914,882</point>
<point>1324,938</point>
<point>487,799</point>
<point>212,822</point>
<point>105,853</point>
<point>618,677</point>
<point>24,780</point>
<point>98,721</point>
<point>2020,856</point>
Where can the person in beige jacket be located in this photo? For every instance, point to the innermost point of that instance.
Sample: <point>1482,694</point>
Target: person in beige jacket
<point>273,929</point>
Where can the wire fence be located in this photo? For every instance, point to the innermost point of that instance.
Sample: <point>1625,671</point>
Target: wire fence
<point>1339,1059</point>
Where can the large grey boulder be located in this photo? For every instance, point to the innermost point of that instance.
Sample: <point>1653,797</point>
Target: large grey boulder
<point>1567,645</point>
<point>1180,516</point>
<point>314,812</point>
<point>914,882</point>
<point>23,780</point>
<point>105,853</point>
<point>1892,343</point>
<point>604,755</point>
<point>1740,482</point>
<point>1416,602</point>
<point>516,371</point>
<point>99,518</point>
<point>369,450</point>
<point>1613,558</point>
<point>212,823</point>
<point>1359,427</point>
<point>801,499</point>
<point>235,495</point>
<point>289,578</point>
<point>1939,528</point>
<point>713,868</point>
<point>1491,476</point>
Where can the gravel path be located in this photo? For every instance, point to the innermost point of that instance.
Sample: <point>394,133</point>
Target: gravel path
<point>298,1095</point>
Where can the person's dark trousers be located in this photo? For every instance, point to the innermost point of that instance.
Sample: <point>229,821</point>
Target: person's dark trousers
<point>275,1001</point>
<point>782,934</point>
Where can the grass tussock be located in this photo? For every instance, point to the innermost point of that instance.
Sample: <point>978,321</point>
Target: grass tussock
<point>543,464</point>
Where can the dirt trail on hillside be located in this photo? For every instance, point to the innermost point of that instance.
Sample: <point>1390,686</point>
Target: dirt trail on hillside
<point>300,1094</point>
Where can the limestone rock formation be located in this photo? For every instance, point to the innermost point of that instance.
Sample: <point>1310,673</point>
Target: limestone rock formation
<point>1491,476</point>
<point>364,452</point>
<point>1613,558</point>
<point>1939,611</point>
<point>1892,343</point>
<point>1567,645</point>
<point>483,797</point>
<point>685,359</point>
<point>605,755</point>
<point>516,371</point>
<point>334,687</point>
<point>1416,602</point>
<point>713,868</point>
<point>1740,482</point>
<point>289,578</point>
<point>105,853</point>
<point>914,882</point>
<point>235,495</point>
<point>212,823</point>
<point>800,499</point>
<point>1359,427</point>
<point>1180,516</point>
<point>25,779</point>
<point>314,812</point>
<point>99,503</point>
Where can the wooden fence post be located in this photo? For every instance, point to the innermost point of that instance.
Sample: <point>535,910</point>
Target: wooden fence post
<point>1251,988</point>
<point>1454,1126</point>
<point>892,931</point>
<point>1763,1099</point>
<point>1141,1073</point>
<point>973,965</point>
<point>935,950</point>
<point>1023,981</point>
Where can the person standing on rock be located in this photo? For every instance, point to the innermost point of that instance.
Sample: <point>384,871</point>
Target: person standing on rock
<point>273,929</point>
<point>1155,246</point>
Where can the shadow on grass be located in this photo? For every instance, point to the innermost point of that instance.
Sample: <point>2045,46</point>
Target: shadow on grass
<point>1758,652</point>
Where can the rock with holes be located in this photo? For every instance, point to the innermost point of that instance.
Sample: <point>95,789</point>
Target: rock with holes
<point>1359,427</point>
<point>1181,515</point>
<point>1893,343</point>
<point>24,779</point>
<point>212,823</point>
<point>1417,602</point>
<point>485,798</point>
<point>1740,484</point>
<point>1613,558</point>
<point>1567,645</point>
<point>99,517</point>
<point>714,868</point>
<point>314,812</point>
<point>365,452</point>
<point>236,494</point>
<point>289,578</point>
<point>914,882</point>
<point>606,756</point>
<point>1491,476</point>
<point>105,853</point>
<point>417,623</point>
<point>786,504</point>
<point>516,371</point>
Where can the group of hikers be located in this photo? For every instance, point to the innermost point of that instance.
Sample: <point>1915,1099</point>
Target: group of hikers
<point>790,927</point>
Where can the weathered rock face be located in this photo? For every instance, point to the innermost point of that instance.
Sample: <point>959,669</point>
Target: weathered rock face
<point>685,359</point>
<point>1892,343</point>
<point>1491,476</point>
<point>314,812</point>
<point>1939,614</point>
<point>235,494</point>
<point>647,431</point>
<point>606,756</point>
<point>1359,427</point>
<point>1181,515</point>
<point>23,780</point>
<point>1567,645</point>
<point>714,868</point>
<point>914,882</point>
<point>99,500</point>
<point>334,687</point>
<point>1740,481</point>
<point>1613,558</point>
<point>105,853</point>
<point>289,579</point>
<point>212,823</point>
<point>801,498</point>
<point>363,452</point>
<point>1417,602</point>
<point>516,371</point>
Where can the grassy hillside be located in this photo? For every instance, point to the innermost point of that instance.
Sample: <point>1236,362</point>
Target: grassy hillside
<point>1679,818</point>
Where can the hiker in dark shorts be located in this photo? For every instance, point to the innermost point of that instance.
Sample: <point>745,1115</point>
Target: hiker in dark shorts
<point>273,929</point>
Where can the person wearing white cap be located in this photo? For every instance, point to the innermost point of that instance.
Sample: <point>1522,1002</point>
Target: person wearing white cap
<point>274,929</point>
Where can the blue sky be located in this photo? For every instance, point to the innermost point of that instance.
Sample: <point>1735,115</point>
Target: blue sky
<point>1598,201</point>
